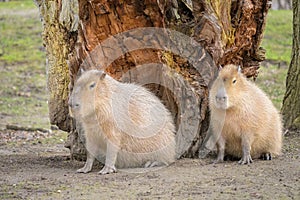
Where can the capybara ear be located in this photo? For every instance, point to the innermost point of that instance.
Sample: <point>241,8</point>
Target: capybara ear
<point>80,72</point>
<point>102,76</point>
<point>239,69</point>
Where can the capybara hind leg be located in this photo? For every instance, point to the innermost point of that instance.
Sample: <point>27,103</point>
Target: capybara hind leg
<point>221,150</point>
<point>88,164</point>
<point>111,157</point>
<point>246,147</point>
<point>266,156</point>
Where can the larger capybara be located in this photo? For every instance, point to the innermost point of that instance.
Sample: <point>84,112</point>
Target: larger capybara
<point>244,122</point>
<point>124,124</point>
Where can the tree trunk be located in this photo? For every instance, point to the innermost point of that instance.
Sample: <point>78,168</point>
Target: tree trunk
<point>291,101</point>
<point>59,36</point>
<point>172,47</point>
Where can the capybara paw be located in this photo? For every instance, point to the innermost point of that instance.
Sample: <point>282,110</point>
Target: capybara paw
<point>219,160</point>
<point>83,170</point>
<point>107,170</point>
<point>266,156</point>
<point>203,153</point>
<point>246,160</point>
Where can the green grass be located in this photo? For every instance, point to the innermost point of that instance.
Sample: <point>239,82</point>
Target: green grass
<point>278,43</point>
<point>17,4</point>
<point>20,35</point>
<point>23,96</point>
<point>271,79</point>
<point>278,35</point>
<point>58,137</point>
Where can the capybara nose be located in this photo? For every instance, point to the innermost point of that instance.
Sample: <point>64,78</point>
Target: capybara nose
<point>221,95</point>
<point>72,104</point>
<point>221,98</point>
<point>76,105</point>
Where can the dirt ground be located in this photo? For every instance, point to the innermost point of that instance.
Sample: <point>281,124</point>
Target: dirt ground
<point>38,170</point>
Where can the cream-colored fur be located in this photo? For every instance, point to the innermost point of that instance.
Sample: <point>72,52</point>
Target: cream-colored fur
<point>245,122</point>
<point>124,125</point>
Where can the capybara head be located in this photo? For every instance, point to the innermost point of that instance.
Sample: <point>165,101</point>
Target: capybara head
<point>84,93</point>
<point>227,87</point>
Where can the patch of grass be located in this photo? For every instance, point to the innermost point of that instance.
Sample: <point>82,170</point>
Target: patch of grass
<point>278,35</point>
<point>23,95</point>
<point>17,4</point>
<point>58,137</point>
<point>278,43</point>
<point>20,36</point>
<point>25,111</point>
<point>271,79</point>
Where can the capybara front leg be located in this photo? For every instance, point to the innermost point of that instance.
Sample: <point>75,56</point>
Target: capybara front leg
<point>88,164</point>
<point>221,150</point>
<point>111,157</point>
<point>208,144</point>
<point>246,147</point>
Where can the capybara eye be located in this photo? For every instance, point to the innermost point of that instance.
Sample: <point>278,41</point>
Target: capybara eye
<point>92,85</point>
<point>234,81</point>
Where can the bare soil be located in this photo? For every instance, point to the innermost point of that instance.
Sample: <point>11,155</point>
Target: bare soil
<point>37,170</point>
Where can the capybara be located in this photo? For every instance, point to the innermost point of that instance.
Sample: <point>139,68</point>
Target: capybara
<point>124,125</point>
<point>244,122</point>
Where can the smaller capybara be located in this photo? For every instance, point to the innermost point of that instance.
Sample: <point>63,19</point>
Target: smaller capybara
<point>244,122</point>
<point>124,124</point>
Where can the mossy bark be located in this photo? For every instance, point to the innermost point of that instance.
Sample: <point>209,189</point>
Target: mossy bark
<point>60,22</point>
<point>291,101</point>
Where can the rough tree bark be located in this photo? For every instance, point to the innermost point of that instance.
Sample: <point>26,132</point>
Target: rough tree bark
<point>291,101</point>
<point>227,31</point>
<point>60,34</point>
